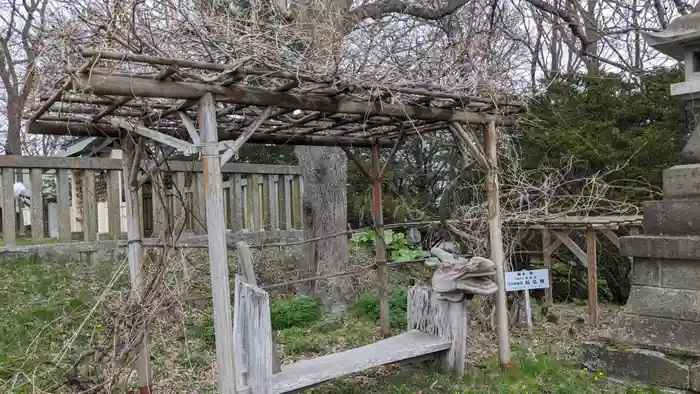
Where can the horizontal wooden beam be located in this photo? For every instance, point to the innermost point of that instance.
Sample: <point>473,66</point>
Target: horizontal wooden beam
<point>124,86</point>
<point>91,130</point>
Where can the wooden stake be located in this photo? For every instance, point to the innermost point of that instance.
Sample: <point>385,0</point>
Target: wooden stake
<point>592,277</point>
<point>378,215</point>
<point>547,260</point>
<point>496,241</point>
<point>216,234</point>
<point>135,255</point>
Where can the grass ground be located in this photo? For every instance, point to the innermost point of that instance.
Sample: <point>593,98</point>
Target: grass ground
<point>49,317</point>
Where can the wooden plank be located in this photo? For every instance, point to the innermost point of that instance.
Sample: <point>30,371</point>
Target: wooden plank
<point>610,235</point>
<point>566,240</point>
<point>114,215</point>
<point>273,199</point>
<point>308,373</point>
<point>185,147</point>
<point>287,203</point>
<point>63,202</point>
<point>191,128</point>
<point>9,216</point>
<point>442,319</point>
<point>89,206</point>
<point>237,219</point>
<point>297,213</point>
<point>179,202</point>
<point>216,234</point>
<point>50,163</point>
<point>125,86</point>
<point>592,277</point>
<point>135,255</point>
<point>37,207</point>
<point>199,210</point>
<point>253,195</point>
<point>547,260</point>
<point>380,247</point>
<point>160,214</point>
<point>252,332</point>
<point>266,203</point>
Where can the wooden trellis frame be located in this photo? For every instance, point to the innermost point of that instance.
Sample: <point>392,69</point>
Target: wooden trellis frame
<point>135,97</point>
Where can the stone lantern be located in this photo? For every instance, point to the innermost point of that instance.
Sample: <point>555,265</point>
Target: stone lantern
<point>655,340</point>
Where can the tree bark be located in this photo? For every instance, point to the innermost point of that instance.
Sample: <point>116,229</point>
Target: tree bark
<point>324,173</point>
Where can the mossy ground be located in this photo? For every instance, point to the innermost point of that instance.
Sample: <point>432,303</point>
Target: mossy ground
<point>49,314</point>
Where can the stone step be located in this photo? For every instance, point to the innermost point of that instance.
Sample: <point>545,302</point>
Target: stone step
<point>672,217</point>
<point>640,365</point>
<point>664,302</point>
<point>682,181</point>
<point>678,247</point>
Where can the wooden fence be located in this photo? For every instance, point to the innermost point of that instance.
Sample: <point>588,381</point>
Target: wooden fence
<point>89,191</point>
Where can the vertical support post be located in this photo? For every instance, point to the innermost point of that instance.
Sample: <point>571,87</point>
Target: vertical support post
<point>547,260</point>
<point>63,191</point>
<point>89,206</point>
<point>216,234</point>
<point>528,312</point>
<point>37,207</point>
<point>199,212</point>
<point>179,203</point>
<point>378,216</point>
<point>296,188</point>
<point>135,255</point>
<point>496,242</point>
<point>114,212</point>
<point>287,201</point>
<point>9,217</point>
<point>592,277</point>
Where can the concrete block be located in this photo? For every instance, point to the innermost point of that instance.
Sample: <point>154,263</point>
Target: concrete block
<point>664,302</point>
<point>682,181</point>
<point>672,217</point>
<point>646,271</point>
<point>661,247</point>
<point>679,274</point>
<point>640,365</point>
<point>655,333</point>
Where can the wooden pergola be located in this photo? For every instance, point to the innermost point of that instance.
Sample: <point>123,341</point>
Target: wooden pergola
<point>134,97</point>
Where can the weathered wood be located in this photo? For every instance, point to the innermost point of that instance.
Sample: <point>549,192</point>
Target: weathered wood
<point>237,219</point>
<point>89,206</point>
<point>191,129</point>
<point>380,247</point>
<point>496,243</point>
<point>547,260</point>
<point>252,332</point>
<point>9,215</point>
<point>63,202</point>
<point>253,206</point>
<point>273,201</point>
<point>442,319</point>
<point>592,277</point>
<point>125,86</point>
<point>216,234</point>
<point>37,207</point>
<point>287,202</point>
<point>135,255</point>
<point>566,240</point>
<point>160,214</point>
<point>610,235</point>
<point>308,373</point>
<point>185,147</point>
<point>298,216</point>
<point>114,214</point>
<point>267,202</point>
<point>75,129</point>
<point>199,208</point>
<point>179,202</point>
<point>245,258</point>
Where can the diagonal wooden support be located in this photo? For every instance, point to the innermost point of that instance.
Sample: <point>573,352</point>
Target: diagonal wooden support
<point>610,235</point>
<point>233,147</point>
<point>186,147</point>
<point>191,129</point>
<point>575,249</point>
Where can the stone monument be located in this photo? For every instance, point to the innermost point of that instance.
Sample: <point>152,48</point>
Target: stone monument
<point>656,338</point>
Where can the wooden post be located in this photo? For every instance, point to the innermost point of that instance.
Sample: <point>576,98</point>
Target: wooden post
<point>253,339</point>
<point>496,241</point>
<point>547,260</point>
<point>237,219</point>
<point>89,206</point>
<point>114,213</point>
<point>592,277</point>
<point>216,234</point>
<point>135,255</point>
<point>288,202</point>
<point>9,217</point>
<point>63,191</point>
<point>37,207</point>
<point>446,319</point>
<point>378,214</point>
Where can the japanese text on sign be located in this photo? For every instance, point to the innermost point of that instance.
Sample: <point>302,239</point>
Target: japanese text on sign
<point>527,280</point>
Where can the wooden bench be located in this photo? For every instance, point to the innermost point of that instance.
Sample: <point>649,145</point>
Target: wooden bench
<point>437,329</point>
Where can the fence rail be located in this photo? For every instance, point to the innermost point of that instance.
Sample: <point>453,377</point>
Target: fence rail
<point>82,198</point>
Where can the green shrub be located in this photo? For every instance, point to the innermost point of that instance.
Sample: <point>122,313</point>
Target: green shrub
<point>367,307</point>
<point>294,312</point>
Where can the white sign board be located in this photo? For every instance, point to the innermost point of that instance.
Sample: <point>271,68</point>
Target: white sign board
<point>527,280</point>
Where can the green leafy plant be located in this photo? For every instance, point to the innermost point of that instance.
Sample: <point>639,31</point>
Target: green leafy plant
<point>294,312</point>
<point>395,244</point>
<point>367,307</point>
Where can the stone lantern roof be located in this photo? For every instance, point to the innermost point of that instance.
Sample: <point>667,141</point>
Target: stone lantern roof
<point>681,32</point>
